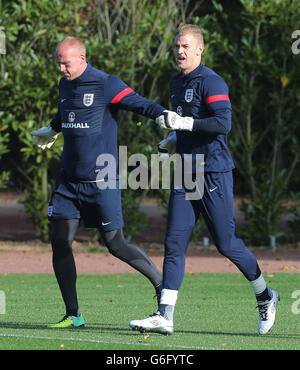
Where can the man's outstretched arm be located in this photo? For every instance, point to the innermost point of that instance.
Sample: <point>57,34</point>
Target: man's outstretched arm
<point>119,94</point>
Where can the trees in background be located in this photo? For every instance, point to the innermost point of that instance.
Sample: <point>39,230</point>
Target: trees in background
<point>247,42</point>
<point>256,60</point>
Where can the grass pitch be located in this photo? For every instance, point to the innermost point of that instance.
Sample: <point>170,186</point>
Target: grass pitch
<point>213,312</point>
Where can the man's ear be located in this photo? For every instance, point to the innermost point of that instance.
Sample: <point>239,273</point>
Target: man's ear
<point>82,57</point>
<point>200,50</point>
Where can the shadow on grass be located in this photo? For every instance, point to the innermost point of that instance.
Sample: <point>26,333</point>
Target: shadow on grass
<point>256,335</point>
<point>103,328</point>
<point>90,328</point>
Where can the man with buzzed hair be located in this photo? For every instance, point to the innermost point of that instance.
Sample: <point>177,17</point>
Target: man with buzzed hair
<point>202,121</point>
<point>89,100</point>
<point>71,49</point>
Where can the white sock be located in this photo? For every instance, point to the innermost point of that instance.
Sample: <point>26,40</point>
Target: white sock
<point>167,303</point>
<point>168,296</point>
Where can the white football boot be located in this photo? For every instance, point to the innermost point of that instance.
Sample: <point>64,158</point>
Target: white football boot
<point>267,313</point>
<point>154,323</point>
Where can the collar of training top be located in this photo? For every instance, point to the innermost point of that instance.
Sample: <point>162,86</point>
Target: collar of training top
<point>83,74</point>
<point>195,72</point>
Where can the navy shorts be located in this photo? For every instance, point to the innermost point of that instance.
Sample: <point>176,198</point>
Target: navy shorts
<point>84,200</point>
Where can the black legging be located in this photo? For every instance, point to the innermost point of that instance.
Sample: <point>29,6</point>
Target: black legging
<point>62,236</point>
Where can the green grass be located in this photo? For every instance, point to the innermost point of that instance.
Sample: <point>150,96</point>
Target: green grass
<point>214,311</point>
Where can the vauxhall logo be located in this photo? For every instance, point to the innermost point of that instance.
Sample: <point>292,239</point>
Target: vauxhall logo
<point>72,124</point>
<point>71,117</point>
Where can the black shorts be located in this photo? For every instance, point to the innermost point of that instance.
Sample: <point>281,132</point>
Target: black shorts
<point>96,207</point>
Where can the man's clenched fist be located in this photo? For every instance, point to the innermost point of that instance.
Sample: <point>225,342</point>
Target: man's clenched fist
<point>172,121</point>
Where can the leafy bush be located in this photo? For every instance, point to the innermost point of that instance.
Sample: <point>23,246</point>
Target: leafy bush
<point>4,139</point>
<point>246,42</point>
<point>294,222</point>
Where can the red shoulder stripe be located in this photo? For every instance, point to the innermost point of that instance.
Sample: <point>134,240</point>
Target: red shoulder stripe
<point>214,98</point>
<point>121,95</point>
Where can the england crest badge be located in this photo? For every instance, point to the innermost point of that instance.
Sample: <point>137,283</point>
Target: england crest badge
<point>188,95</point>
<point>88,99</point>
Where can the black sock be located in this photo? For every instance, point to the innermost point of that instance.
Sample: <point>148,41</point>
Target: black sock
<point>65,272</point>
<point>266,295</point>
<point>62,235</point>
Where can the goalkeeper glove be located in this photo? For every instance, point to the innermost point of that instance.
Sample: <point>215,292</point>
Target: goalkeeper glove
<point>172,121</point>
<point>167,147</point>
<point>44,137</point>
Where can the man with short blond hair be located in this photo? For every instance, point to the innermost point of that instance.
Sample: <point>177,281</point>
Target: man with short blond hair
<point>191,29</point>
<point>202,122</point>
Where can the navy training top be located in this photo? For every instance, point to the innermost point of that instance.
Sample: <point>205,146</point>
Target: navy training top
<point>202,94</point>
<point>87,117</point>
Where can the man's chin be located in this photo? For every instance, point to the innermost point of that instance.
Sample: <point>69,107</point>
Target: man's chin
<point>67,77</point>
